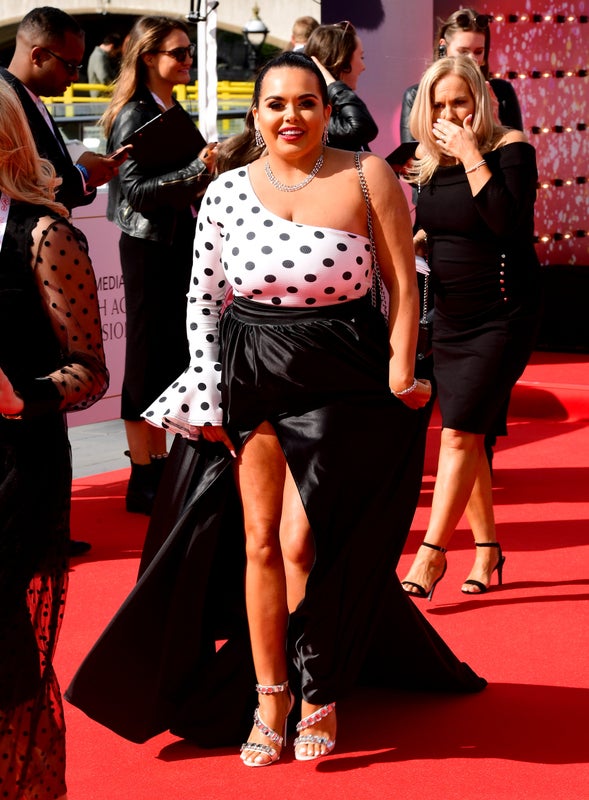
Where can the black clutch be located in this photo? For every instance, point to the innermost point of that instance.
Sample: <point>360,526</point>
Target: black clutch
<point>167,142</point>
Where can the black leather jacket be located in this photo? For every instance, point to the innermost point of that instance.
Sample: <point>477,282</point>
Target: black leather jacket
<point>351,126</point>
<point>144,205</point>
<point>510,113</point>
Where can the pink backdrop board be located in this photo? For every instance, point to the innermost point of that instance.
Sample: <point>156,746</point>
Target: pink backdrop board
<point>103,240</point>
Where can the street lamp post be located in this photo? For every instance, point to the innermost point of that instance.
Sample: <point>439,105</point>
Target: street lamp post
<point>254,36</point>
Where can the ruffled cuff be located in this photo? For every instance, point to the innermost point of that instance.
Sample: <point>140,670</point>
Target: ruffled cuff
<point>192,401</point>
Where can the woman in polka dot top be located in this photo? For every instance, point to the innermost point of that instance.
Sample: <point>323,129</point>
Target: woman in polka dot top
<point>298,458</point>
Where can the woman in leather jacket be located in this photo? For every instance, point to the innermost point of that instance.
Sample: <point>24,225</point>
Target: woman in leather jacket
<point>155,206</point>
<point>337,51</point>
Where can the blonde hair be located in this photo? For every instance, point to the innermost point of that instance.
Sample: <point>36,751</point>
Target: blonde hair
<point>24,175</point>
<point>302,28</point>
<point>146,36</point>
<point>487,131</point>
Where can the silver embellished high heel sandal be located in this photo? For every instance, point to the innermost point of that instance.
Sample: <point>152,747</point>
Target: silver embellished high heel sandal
<point>276,738</point>
<point>309,738</point>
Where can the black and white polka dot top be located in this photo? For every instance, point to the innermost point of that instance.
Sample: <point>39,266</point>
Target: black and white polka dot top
<point>243,247</point>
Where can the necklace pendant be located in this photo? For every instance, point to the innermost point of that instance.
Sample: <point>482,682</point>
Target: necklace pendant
<point>285,187</point>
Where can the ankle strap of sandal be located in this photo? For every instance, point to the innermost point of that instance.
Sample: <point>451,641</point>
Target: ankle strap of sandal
<point>272,688</point>
<point>487,544</point>
<point>435,547</point>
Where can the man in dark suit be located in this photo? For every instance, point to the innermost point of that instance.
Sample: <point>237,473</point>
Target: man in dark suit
<point>48,55</point>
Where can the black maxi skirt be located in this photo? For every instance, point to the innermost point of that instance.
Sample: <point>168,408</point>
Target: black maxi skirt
<point>176,655</point>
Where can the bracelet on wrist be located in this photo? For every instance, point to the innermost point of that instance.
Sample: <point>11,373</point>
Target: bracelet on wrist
<point>18,414</point>
<point>476,166</point>
<point>84,172</point>
<point>408,390</point>
<point>40,396</point>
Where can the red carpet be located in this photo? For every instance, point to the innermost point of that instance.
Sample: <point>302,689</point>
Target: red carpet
<point>523,738</point>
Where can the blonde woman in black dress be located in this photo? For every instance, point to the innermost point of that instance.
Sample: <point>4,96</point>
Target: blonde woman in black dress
<point>476,208</point>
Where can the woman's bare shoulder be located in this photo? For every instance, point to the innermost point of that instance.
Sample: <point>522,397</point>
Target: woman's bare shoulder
<point>511,136</point>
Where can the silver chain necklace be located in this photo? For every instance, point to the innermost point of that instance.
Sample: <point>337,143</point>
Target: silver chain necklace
<point>284,187</point>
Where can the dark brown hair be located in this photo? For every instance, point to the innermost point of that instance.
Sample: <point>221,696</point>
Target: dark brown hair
<point>466,19</point>
<point>333,46</point>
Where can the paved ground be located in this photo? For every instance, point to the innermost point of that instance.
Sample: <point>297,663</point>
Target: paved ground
<point>98,447</point>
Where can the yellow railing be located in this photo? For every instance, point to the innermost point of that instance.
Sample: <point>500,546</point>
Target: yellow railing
<point>76,105</point>
<point>238,91</point>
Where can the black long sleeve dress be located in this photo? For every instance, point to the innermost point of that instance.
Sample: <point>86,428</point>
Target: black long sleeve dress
<point>51,351</point>
<point>485,278</point>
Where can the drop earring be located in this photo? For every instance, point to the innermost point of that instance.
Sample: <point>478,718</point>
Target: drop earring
<point>259,138</point>
<point>325,136</point>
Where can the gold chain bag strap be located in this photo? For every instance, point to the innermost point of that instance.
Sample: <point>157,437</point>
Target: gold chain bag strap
<point>424,336</point>
<point>378,291</point>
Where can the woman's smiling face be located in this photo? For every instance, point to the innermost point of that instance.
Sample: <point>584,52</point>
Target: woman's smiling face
<point>290,110</point>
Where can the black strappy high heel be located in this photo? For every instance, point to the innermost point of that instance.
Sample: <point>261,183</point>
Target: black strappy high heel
<point>421,590</point>
<point>498,568</point>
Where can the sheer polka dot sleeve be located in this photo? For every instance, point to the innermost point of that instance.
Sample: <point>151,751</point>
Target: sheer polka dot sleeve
<point>194,399</point>
<point>67,285</point>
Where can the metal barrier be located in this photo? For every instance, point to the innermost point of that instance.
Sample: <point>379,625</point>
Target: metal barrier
<point>76,109</point>
<point>237,92</point>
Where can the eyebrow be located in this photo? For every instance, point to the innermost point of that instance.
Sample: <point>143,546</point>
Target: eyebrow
<point>453,99</point>
<point>299,97</point>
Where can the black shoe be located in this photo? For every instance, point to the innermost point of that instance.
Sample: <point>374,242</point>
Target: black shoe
<point>498,568</point>
<point>76,549</point>
<point>421,591</point>
<point>143,483</point>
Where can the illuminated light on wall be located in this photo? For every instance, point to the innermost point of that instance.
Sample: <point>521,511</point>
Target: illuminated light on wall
<point>559,237</point>
<point>536,18</point>
<point>580,126</point>
<point>537,74</point>
<point>541,48</point>
<point>559,182</point>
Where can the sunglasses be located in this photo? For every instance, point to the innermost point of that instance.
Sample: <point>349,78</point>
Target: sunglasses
<point>70,66</point>
<point>480,21</point>
<point>179,53</point>
<point>344,26</point>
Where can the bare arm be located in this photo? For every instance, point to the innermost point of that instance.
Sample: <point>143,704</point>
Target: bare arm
<point>396,257</point>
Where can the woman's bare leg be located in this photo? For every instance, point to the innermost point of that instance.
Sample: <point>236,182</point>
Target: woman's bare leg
<point>458,464</point>
<point>260,475</point>
<point>144,440</point>
<point>481,518</point>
